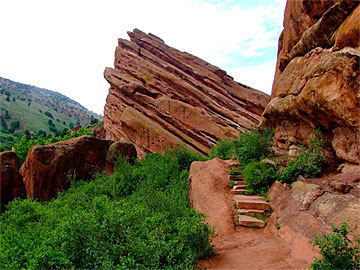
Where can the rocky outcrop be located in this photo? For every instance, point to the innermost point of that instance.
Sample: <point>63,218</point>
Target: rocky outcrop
<point>308,209</point>
<point>49,169</point>
<point>209,194</point>
<point>11,183</point>
<point>160,97</point>
<point>317,81</point>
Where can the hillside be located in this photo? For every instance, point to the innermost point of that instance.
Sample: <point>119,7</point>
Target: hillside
<point>32,110</point>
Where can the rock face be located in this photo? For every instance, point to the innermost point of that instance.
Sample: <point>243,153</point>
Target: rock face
<point>210,194</point>
<point>49,169</point>
<point>317,81</point>
<point>309,209</point>
<point>160,97</point>
<point>11,183</point>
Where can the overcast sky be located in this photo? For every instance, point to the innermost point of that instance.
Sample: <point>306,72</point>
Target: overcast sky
<point>65,45</point>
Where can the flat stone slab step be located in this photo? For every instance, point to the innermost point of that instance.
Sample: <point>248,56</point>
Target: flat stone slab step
<point>249,197</point>
<point>238,191</point>
<point>249,221</point>
<point>251,211</point>
<point>240,183</point>
<point>250,203</point>
<point>236,177</point>
<point>241,186</point>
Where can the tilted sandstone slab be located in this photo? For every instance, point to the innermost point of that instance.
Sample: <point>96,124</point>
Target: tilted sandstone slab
<point>160,97</point>
<point>317,81</point>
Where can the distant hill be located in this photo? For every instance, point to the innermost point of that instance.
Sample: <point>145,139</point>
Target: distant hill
<point>32,110</point>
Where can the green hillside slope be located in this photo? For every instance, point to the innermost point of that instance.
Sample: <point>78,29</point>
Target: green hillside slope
<point>32,110</point>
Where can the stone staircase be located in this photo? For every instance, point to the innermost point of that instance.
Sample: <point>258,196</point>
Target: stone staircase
<point>251,211</point>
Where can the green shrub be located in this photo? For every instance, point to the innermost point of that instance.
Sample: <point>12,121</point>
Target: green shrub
<point>259,176</point>
<point>223,149</point>
<point>308,162</point>
<point>253,145</point>
<point>337,250</point>
<point>138,218</point>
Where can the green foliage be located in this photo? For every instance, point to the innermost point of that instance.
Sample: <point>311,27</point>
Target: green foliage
<point>137,218</point>
<point>253,145</point>
<point>308,162</point>
<point>259,176</point>
<point>22,147</point>
<point>223,149</point>
<point>337,250</point>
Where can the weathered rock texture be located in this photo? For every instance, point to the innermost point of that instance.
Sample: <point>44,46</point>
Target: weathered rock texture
<point>11,183</point>
<point>49,169</point>
<point>210,194</point>
<point>160,97</point>
<point>308,209</point>
<point>317,81</point>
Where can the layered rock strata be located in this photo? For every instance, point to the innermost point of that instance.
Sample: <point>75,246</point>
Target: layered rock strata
<point>160,97</point>
<point>317,81</point>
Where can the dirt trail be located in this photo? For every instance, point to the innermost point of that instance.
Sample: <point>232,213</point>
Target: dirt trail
<point>252,249</point>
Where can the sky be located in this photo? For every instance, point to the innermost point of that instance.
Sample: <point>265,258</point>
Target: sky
<point>65,45</point>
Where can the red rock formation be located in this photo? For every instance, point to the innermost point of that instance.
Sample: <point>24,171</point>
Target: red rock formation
<point>160,97</point>
<point>125,149</point>
<point>317,78</point>
<point>308,209</point>
<point>49,169</point>
<point>11,183</point>
<point>210,194</point>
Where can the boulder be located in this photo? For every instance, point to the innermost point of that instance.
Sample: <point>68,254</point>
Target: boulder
<point>11,183</point>
<point>124,149</point>
<point>317,80</point>
<point>49,169</point>
<point>160,97</point>
<point>209,194</point>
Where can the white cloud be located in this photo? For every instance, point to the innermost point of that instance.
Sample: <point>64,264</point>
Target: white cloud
<point>64,45</point>
<point>257,76</point>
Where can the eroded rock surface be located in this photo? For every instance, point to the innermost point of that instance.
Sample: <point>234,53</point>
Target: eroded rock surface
<point>11,183</point>
<point>160,97</point>
<point>49,169</point>
<point>209,194</point>
<point>308,209</point>
<point>317,81</point>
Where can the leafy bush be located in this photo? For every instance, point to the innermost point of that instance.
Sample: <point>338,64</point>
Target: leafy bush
<point>308,162</point>
<point>259,176</point>
<point>138,218</point>
<point>337,250</point>
<point>253,145</point>
<point>22,147</point>
<point>223,149</point>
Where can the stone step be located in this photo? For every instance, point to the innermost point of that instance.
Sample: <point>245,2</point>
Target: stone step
<point>249,197</point>
<point>250,211</point>
<point>240,186</point>
<point>249,221</point>
<point>238,191</point>
<point>234,166</point>
<point>240,183</point>
<point>236,177</point>
<point>250,203</point>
